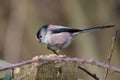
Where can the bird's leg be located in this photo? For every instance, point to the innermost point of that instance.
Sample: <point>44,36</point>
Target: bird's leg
<point>56,52</point>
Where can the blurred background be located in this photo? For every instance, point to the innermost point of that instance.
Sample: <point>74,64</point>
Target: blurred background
<point>19,20</point>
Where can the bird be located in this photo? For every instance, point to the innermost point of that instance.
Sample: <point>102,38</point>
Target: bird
<point>57,37</point>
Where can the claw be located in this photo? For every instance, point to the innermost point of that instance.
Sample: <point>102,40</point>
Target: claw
<point>56,52</point>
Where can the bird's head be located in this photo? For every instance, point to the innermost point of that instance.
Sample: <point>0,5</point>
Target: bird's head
<point>41,32</point>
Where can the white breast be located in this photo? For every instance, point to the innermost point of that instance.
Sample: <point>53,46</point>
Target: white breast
<point>47,38</point>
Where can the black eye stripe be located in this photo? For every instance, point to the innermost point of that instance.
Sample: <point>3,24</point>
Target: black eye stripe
<point>38,34</point>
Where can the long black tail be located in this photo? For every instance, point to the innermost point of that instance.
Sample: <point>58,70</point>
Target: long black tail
<point>96,28</point>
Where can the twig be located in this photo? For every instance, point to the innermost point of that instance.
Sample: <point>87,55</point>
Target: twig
<point>12,66</point>
<point>66,59</point>
<point>111,51</point>
<point>89,73</point>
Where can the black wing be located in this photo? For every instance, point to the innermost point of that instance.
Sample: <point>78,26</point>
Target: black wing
<point>70,30</point>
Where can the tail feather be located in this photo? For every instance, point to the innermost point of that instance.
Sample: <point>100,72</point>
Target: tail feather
<point>93,29</point>
<point>96,28</point>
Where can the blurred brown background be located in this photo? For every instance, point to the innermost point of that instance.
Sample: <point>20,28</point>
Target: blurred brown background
<point>19,20</point>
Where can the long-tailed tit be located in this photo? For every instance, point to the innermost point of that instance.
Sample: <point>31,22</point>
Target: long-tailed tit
<point>58,37</point>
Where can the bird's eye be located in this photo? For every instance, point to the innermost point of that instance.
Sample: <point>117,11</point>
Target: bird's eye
<point>40,36</point>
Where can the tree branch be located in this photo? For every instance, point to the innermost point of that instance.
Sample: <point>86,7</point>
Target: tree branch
<point>89,73</point>
<point>63,59</point>
<point>111,51</point>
